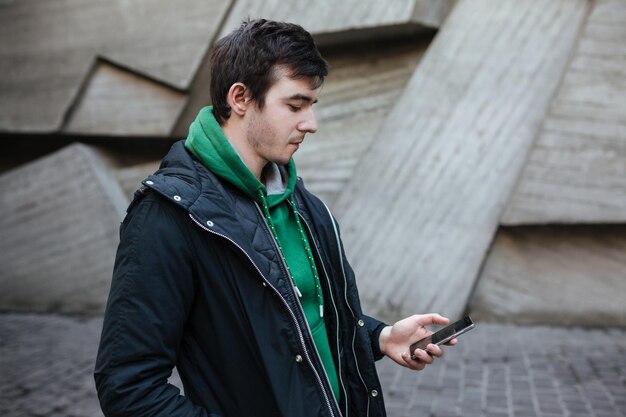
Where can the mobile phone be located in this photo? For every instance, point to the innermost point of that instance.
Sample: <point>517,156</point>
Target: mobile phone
<point>444,335</point>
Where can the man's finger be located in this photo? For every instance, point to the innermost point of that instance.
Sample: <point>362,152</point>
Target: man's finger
<point>433,318</point>
<point>412,363</point>
<point>452,342</point>
<point>422,356</point>
<point>434,350</point>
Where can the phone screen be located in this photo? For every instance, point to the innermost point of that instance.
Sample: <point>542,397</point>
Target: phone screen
<point>448,332</point>
<point>444,335</point>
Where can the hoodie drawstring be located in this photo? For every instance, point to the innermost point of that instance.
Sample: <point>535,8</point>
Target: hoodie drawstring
<point>305,243</point>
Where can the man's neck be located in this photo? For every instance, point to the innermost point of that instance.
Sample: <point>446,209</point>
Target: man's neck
<point>241,146</point>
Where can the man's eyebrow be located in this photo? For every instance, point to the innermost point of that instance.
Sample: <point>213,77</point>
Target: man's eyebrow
<point>302,97</point>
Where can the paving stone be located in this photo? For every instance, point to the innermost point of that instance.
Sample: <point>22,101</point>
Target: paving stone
<point>65,347</point>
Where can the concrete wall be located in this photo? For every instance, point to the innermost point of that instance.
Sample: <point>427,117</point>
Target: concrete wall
<point>549,274</point>
<point>428,150</point>
<point>421,210</point>
<point>55,46</point>
<point>570,272</point>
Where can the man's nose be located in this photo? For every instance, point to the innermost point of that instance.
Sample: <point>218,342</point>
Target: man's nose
<point>309,124</point>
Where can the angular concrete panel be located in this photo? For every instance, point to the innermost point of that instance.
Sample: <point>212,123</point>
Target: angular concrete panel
<point>325,18</point>
<point>49,47</point>
<point>420,212</point>
<point>130,177</point>
<point>356,97</point>
<point>576,172</point>
<point>118,102</point>
<point>166,40</point>
<point>60,218</point>
<point>44,55</point>
<point>567,276</point>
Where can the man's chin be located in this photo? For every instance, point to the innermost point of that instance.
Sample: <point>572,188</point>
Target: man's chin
<point>284,159</point>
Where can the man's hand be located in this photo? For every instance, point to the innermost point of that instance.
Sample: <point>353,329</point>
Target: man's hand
<point>395,340</point>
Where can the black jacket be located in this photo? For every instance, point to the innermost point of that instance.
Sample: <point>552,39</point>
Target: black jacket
<point>198,284</point>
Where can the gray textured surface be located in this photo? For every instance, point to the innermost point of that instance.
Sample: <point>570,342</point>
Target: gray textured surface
<point>420,212</point>
<point>49,47</point>
<point>59,224</point>
<point>495,371</point>
<point>149,109</point>
<point>574,275</point>
<point>358,94</point>
<point>331,22</point>
<point>434,174</point>
<point>130,177</point>
<point>576,172</point>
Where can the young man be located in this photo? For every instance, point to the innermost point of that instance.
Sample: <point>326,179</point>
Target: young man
<point>230,270</point>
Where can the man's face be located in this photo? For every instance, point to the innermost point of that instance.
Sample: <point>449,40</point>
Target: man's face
<point>276,132</point>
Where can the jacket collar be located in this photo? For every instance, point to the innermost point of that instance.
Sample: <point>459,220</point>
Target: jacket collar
<point>219,208</point>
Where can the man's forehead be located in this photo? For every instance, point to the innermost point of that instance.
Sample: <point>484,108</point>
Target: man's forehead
<point>288,88</point>
<point>294,87</point>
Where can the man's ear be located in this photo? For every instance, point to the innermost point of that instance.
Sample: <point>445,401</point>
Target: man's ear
<point>238,98</point>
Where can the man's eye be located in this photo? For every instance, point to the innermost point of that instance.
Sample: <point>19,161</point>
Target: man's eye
<point>294,108</point>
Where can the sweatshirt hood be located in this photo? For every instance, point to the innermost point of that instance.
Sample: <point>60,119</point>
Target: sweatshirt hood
<point>207,142</point>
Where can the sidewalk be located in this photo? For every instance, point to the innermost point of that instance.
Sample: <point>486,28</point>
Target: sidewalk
<point>46,363</point>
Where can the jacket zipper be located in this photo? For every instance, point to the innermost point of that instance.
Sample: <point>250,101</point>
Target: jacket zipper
<point>345,280</point>
<point>293,316</point>
<point>332,299</point>
<point>296,293</point>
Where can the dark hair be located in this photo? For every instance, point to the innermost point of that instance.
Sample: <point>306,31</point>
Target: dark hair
<point>251,54</point>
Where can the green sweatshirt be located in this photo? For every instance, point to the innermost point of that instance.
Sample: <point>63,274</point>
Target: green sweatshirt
<point>207,142</point>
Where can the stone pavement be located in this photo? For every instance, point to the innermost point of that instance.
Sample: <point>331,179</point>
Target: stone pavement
<point>46,364</point>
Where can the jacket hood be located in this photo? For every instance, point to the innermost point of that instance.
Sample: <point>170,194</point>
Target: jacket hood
<point>177,176</point>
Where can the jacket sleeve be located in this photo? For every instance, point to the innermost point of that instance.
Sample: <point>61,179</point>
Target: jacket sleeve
<point>151,294</point>
<point>374,327</point>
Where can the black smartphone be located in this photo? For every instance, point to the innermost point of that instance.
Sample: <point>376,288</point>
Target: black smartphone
<point>444,335</point>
